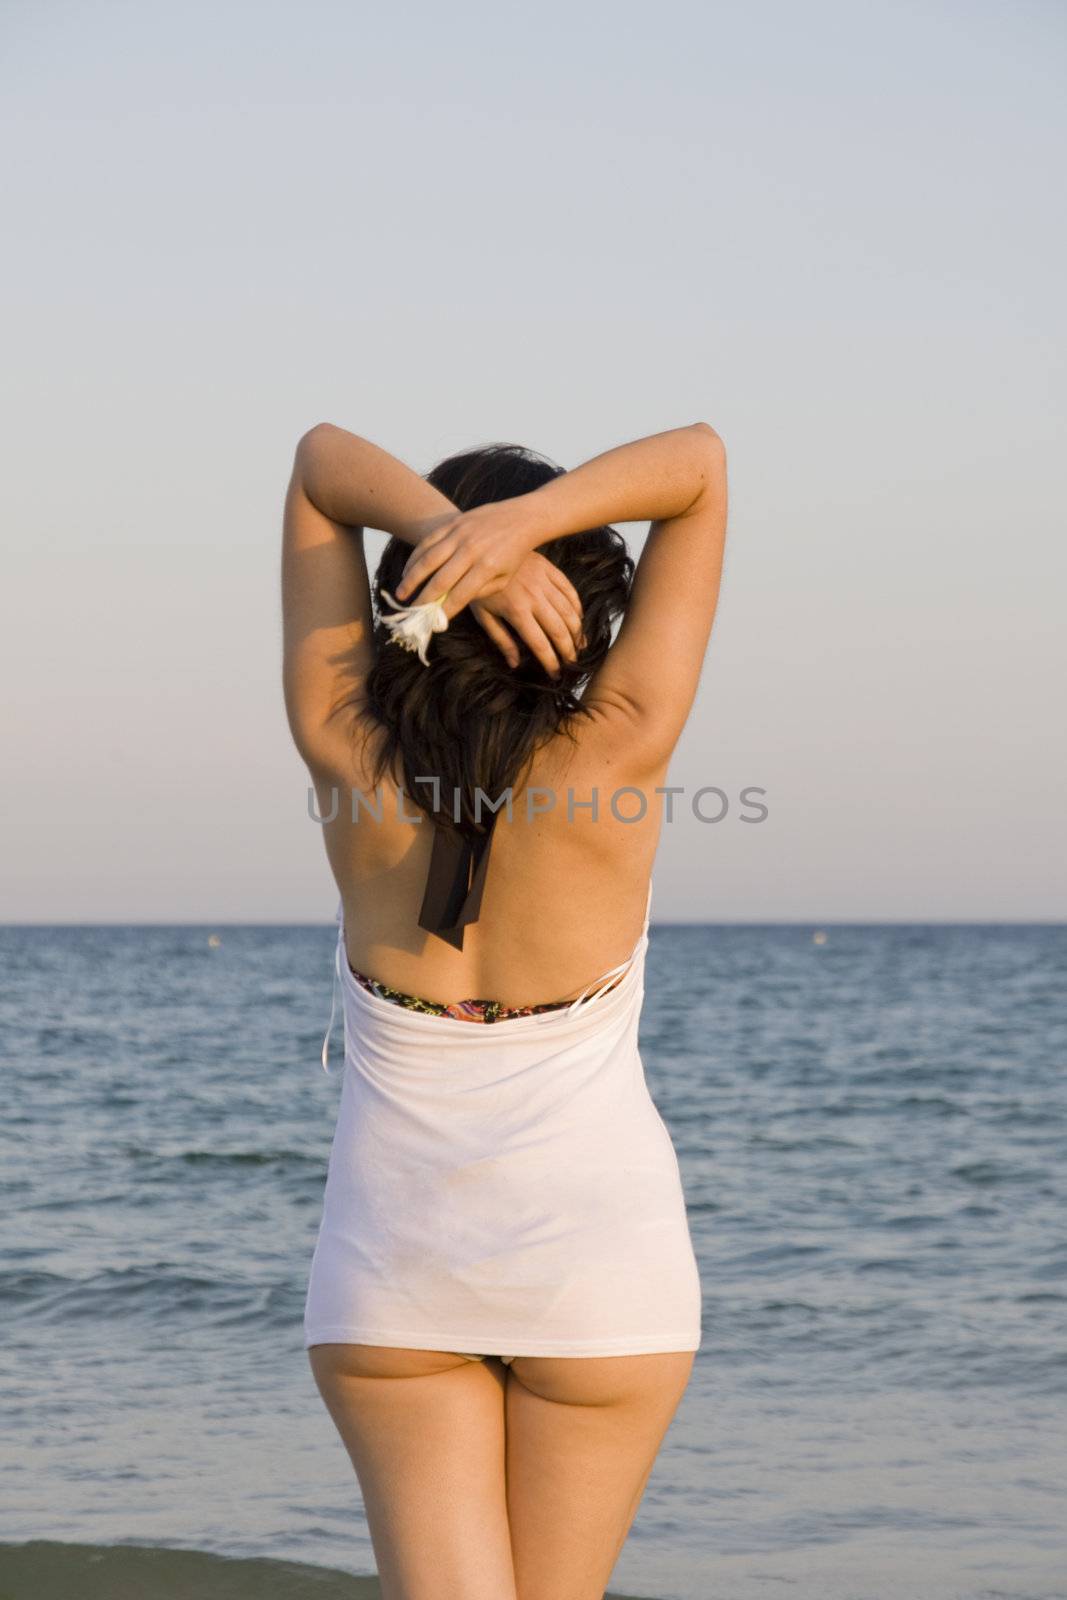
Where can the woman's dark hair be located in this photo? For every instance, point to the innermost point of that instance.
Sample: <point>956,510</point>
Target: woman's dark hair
<point>468,718</point>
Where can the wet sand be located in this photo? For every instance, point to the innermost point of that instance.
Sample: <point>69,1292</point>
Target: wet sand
<point>42,1569</point>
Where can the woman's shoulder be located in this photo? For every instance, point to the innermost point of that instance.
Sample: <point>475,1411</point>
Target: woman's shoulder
<point>597,749</point>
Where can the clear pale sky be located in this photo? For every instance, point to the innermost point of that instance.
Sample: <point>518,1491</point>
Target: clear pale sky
<point>834,231</point>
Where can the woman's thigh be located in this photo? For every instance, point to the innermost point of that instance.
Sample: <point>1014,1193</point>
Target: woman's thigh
<point>424,1430</point>
<point>582,1437</point>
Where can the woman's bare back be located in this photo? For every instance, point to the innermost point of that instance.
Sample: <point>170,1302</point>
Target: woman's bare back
<point>565,890</point>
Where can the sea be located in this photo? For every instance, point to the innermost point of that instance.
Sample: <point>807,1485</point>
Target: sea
<point>871,1126</point>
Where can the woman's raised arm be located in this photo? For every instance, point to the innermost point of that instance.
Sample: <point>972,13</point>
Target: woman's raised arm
<point>474,552</point>
<point>341,483</point>
<point>646,685</point>
<point>654,479</point>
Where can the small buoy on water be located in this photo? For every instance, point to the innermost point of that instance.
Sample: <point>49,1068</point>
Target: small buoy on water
<point>214,941</point>
<point>818,938</point>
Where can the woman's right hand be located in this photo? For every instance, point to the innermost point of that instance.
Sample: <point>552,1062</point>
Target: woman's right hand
<point>470,555</point>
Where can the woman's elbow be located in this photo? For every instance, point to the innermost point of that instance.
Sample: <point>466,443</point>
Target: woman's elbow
<point>318,431</point>
<point>712,435</point>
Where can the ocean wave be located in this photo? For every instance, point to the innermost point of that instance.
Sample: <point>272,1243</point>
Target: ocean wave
<point>150,1293</point>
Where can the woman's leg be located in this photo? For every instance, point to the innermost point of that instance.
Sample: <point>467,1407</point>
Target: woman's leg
<point>424,1430</point>
<point>582,1438</point>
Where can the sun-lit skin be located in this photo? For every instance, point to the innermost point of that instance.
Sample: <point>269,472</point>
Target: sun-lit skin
<point>497,1482</point>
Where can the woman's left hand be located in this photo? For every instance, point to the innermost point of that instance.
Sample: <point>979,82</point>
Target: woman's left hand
<point>543,608</point>
<point>470,555</point>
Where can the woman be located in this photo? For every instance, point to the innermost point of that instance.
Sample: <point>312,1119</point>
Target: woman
<point>503,1306</point>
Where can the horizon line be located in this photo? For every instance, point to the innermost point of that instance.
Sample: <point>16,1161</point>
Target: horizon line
<point>660,922</point>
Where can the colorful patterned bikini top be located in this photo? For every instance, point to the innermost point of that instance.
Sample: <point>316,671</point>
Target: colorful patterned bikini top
<point>462,1010</point>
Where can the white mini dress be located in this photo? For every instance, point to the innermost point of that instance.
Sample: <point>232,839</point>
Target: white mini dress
<point>509,1189</point>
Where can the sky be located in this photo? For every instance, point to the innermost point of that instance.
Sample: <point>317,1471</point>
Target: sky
<point>833,231</point>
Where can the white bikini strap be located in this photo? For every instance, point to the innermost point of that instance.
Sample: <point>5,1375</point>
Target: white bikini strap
<point>333,988</point>
<point>600,984</point>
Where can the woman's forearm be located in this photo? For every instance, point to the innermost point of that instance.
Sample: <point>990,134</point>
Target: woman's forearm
<point>650,479</point>
<point>359,484</point>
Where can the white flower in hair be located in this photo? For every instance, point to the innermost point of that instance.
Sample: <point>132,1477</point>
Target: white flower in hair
<point>412,626</point>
